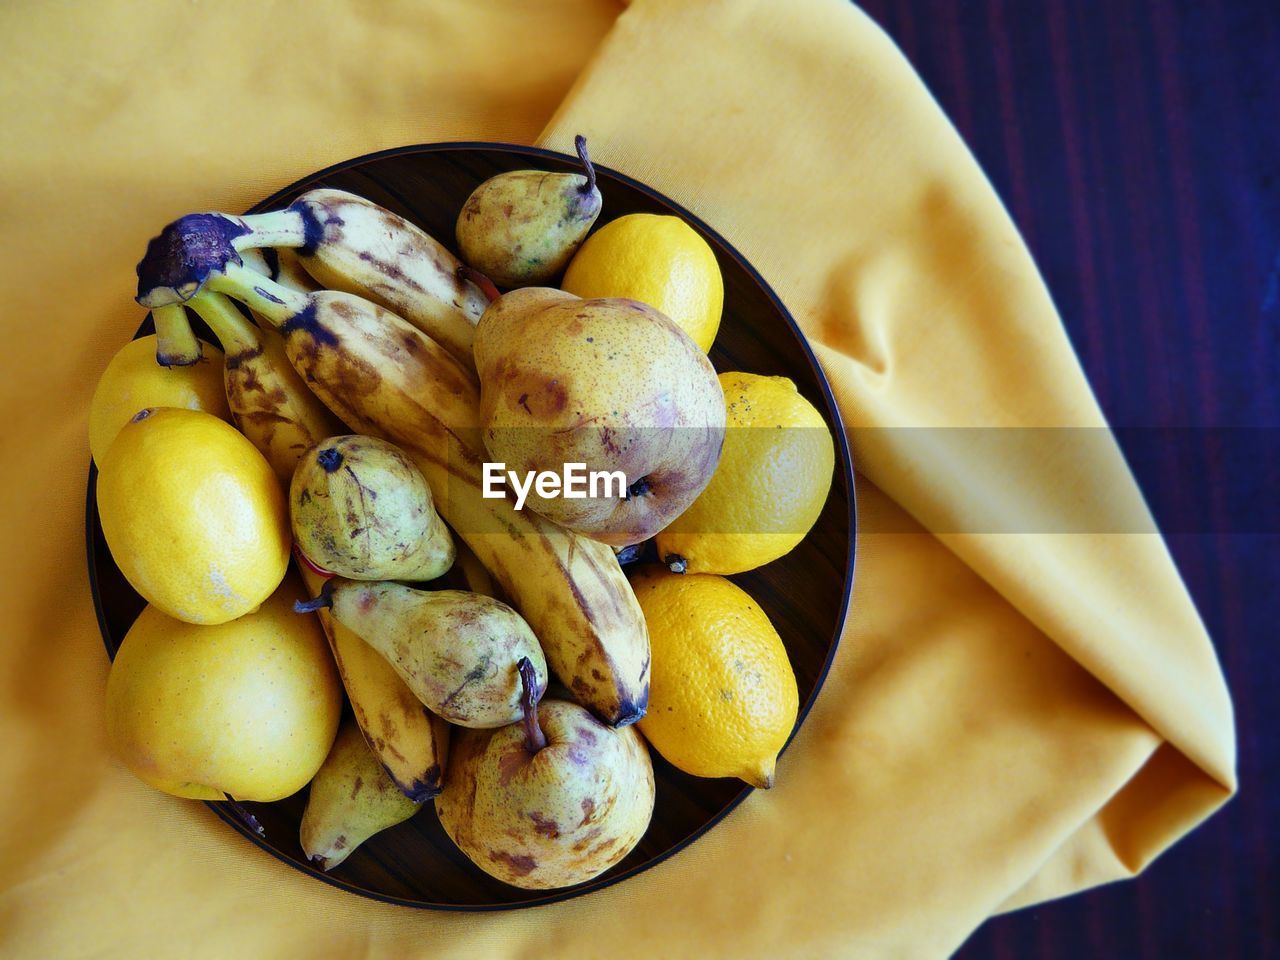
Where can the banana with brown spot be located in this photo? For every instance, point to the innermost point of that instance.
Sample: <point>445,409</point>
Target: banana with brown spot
<point>268,400</point>
<point>344,242</point>
<point>411,742</point>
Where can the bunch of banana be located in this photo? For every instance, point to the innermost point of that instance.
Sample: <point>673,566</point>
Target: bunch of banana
<point>384,377</point>
<point>283,419</point>
<point>345,242</point>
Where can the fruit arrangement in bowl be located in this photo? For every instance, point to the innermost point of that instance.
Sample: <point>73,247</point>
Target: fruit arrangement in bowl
<point>480,508</point>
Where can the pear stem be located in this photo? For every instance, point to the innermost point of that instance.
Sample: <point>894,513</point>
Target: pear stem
<point>247,818</point>
<point>322,601</point>
<point>486,286</point>
<point>329,459</point>
<point>580,144</point>
<point>534,738</point>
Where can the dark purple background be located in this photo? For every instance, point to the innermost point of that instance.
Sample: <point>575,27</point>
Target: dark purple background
<point>1137,146</point>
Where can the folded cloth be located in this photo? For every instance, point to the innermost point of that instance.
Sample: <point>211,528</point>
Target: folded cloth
<point>1024,704</point>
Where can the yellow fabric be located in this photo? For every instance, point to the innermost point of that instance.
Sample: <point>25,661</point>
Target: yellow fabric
<point>1012,716</point>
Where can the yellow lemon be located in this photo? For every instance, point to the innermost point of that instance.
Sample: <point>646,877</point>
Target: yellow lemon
<point>247,708</point>
<point>134,381</point>
<point>774,474</point>
<point>193,514</point>
<point>722,695</point>
<point>658,260</point>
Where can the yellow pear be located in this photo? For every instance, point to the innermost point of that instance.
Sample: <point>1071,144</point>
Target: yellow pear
<point>361,509</point>
<point>609,385</point>
<point>551,802</point>
<point>521,227</point>
<point>352,797</point>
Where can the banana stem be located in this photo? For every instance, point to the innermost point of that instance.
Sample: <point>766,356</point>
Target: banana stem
<point>482,283</point>
<point>534,738</point>
<point>290,273</point>
<point>274,301</point>
<point>279,228</point>
<point>176,343</point>
<point>258,260</point>
<point>239,338</point>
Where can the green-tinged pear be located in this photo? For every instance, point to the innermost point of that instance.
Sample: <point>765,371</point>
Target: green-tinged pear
<point>361,509</point>
<point>352,798</point>
<point>457,651</point>
<point>521,227</point>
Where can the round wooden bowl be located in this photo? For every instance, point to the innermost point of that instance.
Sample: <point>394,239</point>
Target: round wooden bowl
<point>805,593</point>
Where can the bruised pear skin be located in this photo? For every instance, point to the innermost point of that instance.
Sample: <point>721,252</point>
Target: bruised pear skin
<point>551,818</point>
<point>352,798</point>
<point>608,383</point>
<point>361,509</point>
<point>457,651</point>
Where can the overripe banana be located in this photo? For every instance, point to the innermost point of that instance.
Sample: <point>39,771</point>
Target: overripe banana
<point>350,244</point>
<point>383,377</point>
<point>474,575</point>
<point>270,403</point>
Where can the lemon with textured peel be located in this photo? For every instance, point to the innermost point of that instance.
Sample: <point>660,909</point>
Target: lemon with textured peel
<point>658,260</point>
<point>193,514</point>
<point>771,483</point>
<point>247,708</point>
<point>134,381</point>
<point>722,695</point>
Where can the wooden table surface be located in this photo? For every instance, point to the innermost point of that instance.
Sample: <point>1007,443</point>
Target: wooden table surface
<point>1137,145</point>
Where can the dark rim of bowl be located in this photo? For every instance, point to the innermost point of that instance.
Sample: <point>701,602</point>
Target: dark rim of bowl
<point>846,463</point>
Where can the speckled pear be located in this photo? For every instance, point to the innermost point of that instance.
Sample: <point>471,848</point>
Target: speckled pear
<point>351,799</point>
<point>522,227</point>
<point>457,651</point>
<point>608,383</point>
<point>361,509</point>
<point>552,802</point>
